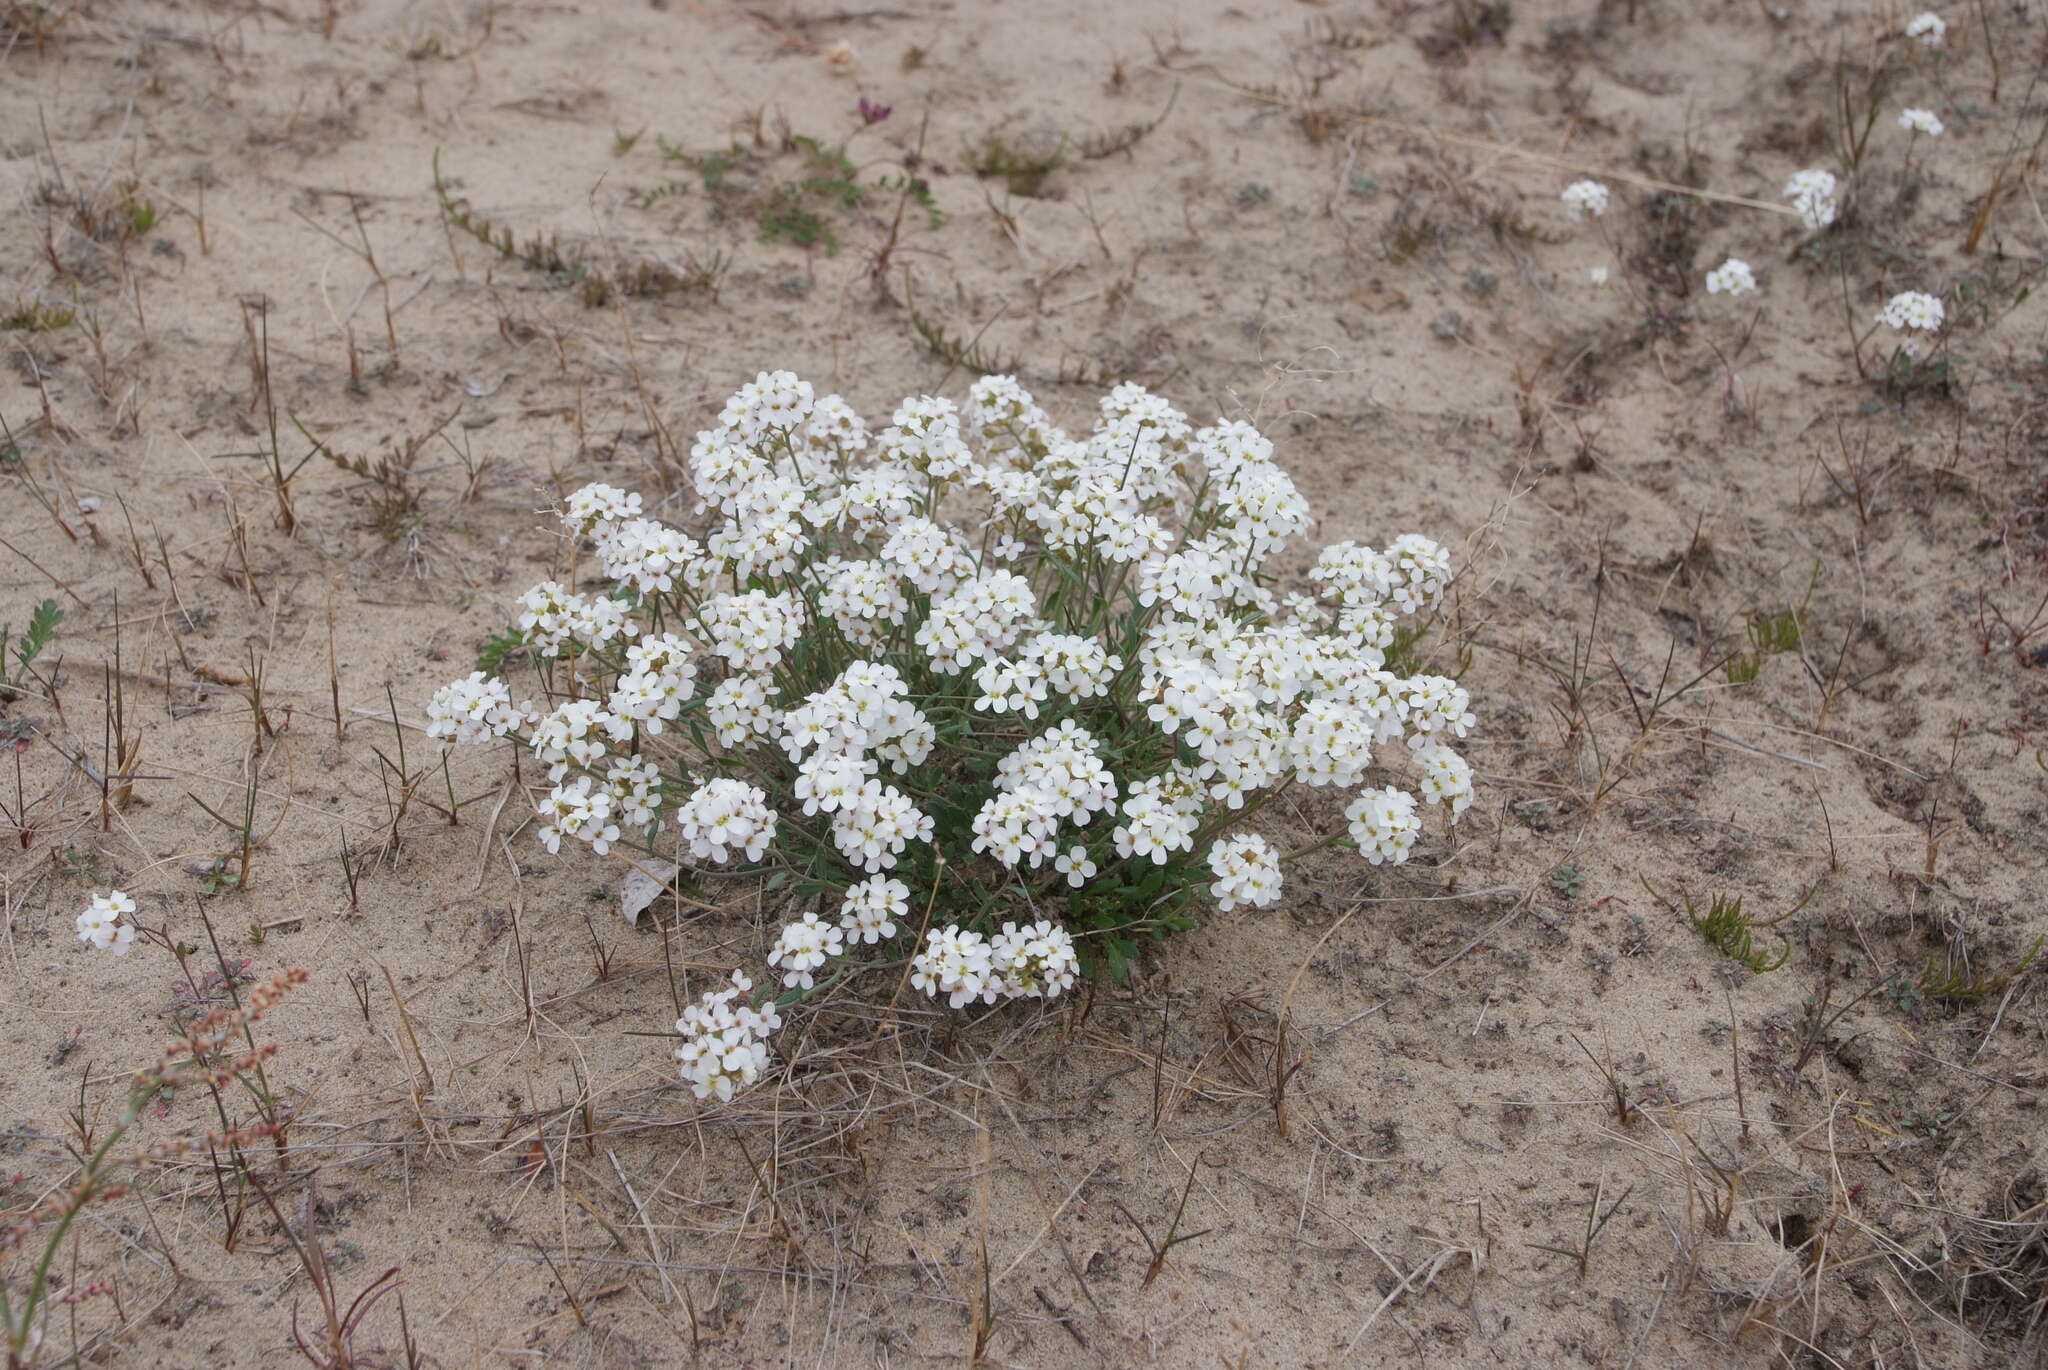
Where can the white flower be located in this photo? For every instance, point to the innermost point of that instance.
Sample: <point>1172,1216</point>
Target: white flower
<point>1812,194</point>
<point>635,789</point>
<point>1331,743</point>
<point>872,907</point>
<point>1733,276</point>
<point>752,630</point>
<point>774,403</point>
<point>1928,27</point>
<point>591,508</point>
<point>1247,871</point>
<point>1598,275</point>
<point>1010,685</point>
<point>99,925</point>
<point>647,555</point>
<point>1446,778</point>
<point>473,710</point>
<point>727,815</point>
<point>1073,665</point>
<point>1911,311</point>
<point>978,617</point>
<point>1075,865</point>
<point>1016,823</point>
<point>972,570</point>
<point>956,963</point>
<point>576,733</point>
<point>724,1040</point>
<point>804,946</point>
<point>872,829</point>
<point>1384,824</point>
<point>578,810</point>
<point>738,708</point>
<point>1153,828</point>
<point>1035,961</point>
<point>1921,121</point>
<point>1435,705</point>
<point>1423,572</point>
<point>1584,197</point>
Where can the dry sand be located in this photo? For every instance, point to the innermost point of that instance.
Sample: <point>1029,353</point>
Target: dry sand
<point>1347,228</point>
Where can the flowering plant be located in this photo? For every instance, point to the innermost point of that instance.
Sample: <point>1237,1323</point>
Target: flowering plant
<point>988,701</point>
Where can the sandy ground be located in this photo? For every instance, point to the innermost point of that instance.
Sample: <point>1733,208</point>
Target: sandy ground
<point>1346,226</point>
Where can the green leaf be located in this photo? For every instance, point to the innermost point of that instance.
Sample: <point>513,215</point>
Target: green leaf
<point>491,659</point>
<point>42,627</point>
<point>1119,952</point>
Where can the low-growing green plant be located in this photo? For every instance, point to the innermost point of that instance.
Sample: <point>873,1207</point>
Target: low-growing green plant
<point>1961,986</point>
<point>33,316</point>
<point>35,638</point>
<point>1005,704</point>
<point>566,266</point>
<point>1023,169</point>
<point>1727,929</point>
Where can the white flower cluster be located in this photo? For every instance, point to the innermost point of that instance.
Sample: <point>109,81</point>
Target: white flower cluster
<point>1584,197</point>
<point>725,816</point>
<point>1928,27</point>
<point>1384,824</point>
<point>1032,961</point>
<point>1247,872</point>
<point>551,618</point>
<point>1812,194</point>
<point>1733,276</point>
<point>803,947</point>
<point>1921,121</point>
<point>1057,776</point>
<point>725,1040</point>
<point>576,809</point>
<point>100,926</point>
<point>1910,311</point>
<point>660,679</point>
<point>872,634</point>
<point>871,909</point>
<point>474,710</point>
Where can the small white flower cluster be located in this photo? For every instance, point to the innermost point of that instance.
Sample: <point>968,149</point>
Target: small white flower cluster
<point>870,911</point>
<point>725,816</point>
<point>753,630</point>
<point>803,947</point>
<point>474,710</point>
<point>576,809</point>
<point>1928,27</point>
<point>577,733</point>
<point>659,680</point>
<point>1032,961</point>
<point>1056,776</point>
<point>725,1040</point>
<point>1921,121</point>
<point>1161,816</point>
<point>1446,778</point>
<point>1247,872</point>
<point>1098,655</point>
<point>1584,197</point>
<point>100,926</point>
<point>1912,311</point>
<point>1732,276</point>
<point>1384,824</point>
<point>1812,194</point>
<point>551,617</point>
